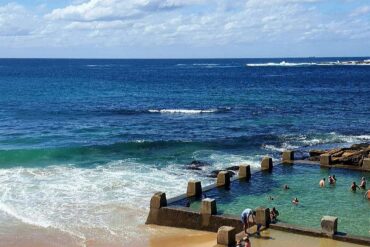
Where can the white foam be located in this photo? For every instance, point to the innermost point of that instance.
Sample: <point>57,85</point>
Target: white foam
<point>283,63</point>
<point>290,64</point>
<point>283,147</point>
<point>183,111</point>
<point>112,199</point>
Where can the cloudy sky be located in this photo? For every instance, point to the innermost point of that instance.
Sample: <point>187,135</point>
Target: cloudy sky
<point>184,28</point>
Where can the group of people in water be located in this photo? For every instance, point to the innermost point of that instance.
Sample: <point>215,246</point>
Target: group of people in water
<point>332,180</point>
<point>274,213</point>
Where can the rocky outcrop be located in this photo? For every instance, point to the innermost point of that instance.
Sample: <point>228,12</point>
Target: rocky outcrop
<point>353,155</point>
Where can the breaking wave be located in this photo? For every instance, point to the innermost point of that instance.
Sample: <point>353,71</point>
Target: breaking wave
<point>291,64</point>
<point>188,111</point>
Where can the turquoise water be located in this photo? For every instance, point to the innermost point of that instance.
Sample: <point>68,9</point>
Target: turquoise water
<point>351,208</point>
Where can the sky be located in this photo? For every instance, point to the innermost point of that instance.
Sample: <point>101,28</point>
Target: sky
<point>184,28</point>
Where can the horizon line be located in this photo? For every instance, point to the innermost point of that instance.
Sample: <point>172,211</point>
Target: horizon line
<point>181,58</point>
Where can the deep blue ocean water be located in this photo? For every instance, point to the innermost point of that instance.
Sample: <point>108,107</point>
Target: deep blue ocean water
<point>72,110</point>
<point>75,131</point>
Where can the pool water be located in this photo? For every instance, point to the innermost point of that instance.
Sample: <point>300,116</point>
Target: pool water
<point>351,208</point>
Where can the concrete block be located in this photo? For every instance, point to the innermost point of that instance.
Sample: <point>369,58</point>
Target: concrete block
<point>266,164</point>
<point>158,200</point>
<point>194,188</point>
<point>325,160</point>
<point>245,172</point>
<point>287,156</point>
<point>263,216</point>
<point>366,164</point>
<point>223,179</point>
<point>329,225</point>
<point>208,206</point>
<point>226,236</point>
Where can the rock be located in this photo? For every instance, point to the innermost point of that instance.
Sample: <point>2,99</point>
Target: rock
<point>233,168</point>
<point>214,173</point>
<point>316,153</point>
<point>196,165</point>
<point>347,156</point>
<point>360,146</point>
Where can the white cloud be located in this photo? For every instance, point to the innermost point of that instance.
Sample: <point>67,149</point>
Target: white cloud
<point>15,20</point>
<point>194,23</point>
<point>363,10</point>
<point>108,10</point>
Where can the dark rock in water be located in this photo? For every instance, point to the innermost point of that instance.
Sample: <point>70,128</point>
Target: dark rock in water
<point>233,168</point>
<point>359,146</point>
<point>199,163</point>
<point>314,158</point>
<point>316,152</point>
<point>193,168</point>
<point>214,173</point>
<point>196,165</point>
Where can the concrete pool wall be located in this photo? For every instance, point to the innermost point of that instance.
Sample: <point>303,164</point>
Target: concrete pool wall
<point>207,219</point>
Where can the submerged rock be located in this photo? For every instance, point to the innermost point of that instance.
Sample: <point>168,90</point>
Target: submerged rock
<point>233,168</point>
<point>214,173</point>
<point>196,165</point>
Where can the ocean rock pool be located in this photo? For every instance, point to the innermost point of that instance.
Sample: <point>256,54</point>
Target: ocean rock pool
<point>351,208</point>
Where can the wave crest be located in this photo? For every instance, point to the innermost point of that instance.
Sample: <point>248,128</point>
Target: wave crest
<point>183,111</point>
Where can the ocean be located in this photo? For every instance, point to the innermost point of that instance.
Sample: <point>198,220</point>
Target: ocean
<point>84,143</point>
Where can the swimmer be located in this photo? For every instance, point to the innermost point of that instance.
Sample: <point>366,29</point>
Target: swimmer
<point>322,182</point>
<point>331,180</point>
<point>295,201</point>
<point>286,187</point>
<point>271,198</point>
<point>335,179</point>
<point>363,183</point>
<point>354,186</point>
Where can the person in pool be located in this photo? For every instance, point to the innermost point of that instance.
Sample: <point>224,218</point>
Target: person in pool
<point>322,182</point>
<point>245,218</point>
<point>363,183</point>
<point>295,201</point>
<point>354,186</point>
<point>331,179</point>
<point>274,214</point>
<point>286,187</point>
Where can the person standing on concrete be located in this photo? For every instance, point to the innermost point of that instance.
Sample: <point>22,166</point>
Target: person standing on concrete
<point>245,218</point>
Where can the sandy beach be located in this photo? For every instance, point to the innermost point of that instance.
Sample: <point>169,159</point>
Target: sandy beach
<point>157,236</point>
<point>269,238</point>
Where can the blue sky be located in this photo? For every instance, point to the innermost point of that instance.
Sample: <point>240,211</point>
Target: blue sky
<point>184,28</point>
